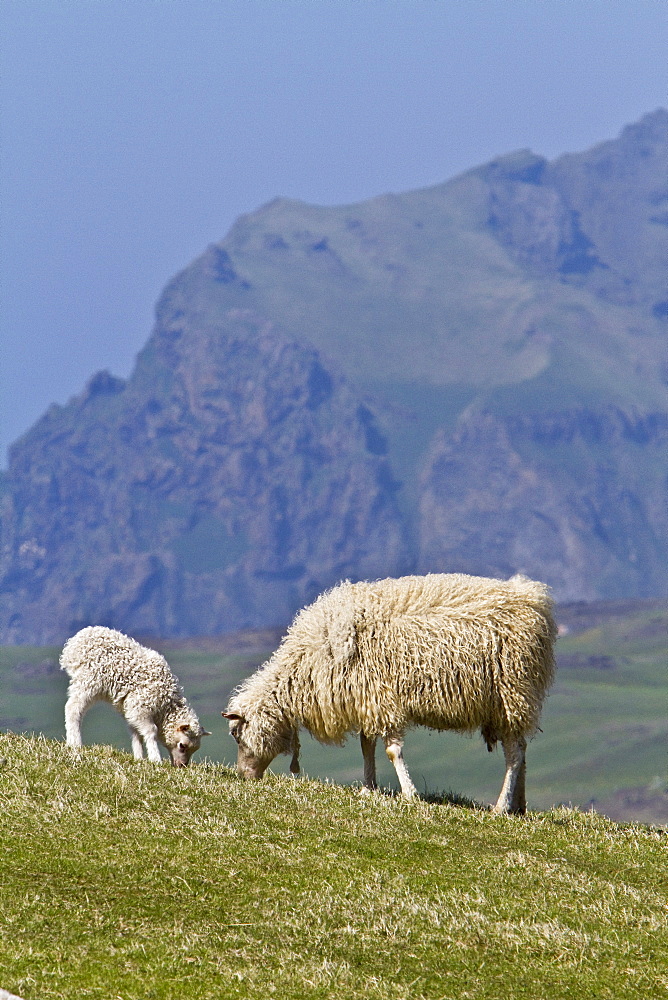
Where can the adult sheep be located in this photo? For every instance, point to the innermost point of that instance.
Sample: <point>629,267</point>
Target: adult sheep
<point>105,665</point>
<point>446,651</point>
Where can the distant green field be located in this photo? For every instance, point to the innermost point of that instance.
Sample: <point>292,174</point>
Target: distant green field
<point>605,724</point>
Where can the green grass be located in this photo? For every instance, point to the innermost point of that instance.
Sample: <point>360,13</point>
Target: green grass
<point>125,880</point>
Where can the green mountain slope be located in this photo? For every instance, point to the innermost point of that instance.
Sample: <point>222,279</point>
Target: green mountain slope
<point>514,269</point>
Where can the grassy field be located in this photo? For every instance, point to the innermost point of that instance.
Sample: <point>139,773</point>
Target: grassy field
<point>605,725</point>
<point>122,880</point>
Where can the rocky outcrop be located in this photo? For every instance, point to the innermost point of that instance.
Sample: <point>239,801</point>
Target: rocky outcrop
<point>578,498</point>
<point>230,480</point>
<point>596,220</point>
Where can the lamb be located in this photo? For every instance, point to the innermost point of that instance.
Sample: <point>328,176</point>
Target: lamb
<point>445,651</point>
<point>105,665</point>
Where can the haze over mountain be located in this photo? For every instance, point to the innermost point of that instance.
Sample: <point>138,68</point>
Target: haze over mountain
<point>467,377</point>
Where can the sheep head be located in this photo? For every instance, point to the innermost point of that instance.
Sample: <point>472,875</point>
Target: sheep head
<point>250,762</point>
<point>187,741</point>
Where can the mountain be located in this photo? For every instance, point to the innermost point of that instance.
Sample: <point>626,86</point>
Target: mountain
<point>217,487</point>
<point>467,377</point>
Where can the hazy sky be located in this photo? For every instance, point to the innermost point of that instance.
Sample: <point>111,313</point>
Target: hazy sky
<point>134,132</point>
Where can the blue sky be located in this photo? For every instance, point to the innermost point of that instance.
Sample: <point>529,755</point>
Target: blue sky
<point>134,132</point>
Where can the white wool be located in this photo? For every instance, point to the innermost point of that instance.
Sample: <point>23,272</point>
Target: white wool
<point>106,665</point>
<point>446,651</point>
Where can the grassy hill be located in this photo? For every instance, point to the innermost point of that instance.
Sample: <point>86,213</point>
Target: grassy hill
<point>127,880</point>
<point>605,730</point>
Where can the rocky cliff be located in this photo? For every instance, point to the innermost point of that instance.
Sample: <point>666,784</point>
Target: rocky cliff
<point>231,479</point>
<point>577,497</point>
<point>468,377</point>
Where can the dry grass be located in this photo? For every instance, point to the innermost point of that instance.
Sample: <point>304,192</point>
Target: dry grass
<point>125,880</point>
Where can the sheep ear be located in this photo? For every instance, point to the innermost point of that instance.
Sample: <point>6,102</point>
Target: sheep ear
<point>205,732</point>
<point>232,715</point>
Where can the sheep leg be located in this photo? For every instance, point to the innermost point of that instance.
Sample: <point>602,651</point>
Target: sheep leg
<point>148,732</point>
<point>137,745</point>
<point>512,797</point>
<point>369,755</point>
<point>294,763</point>
<point>519,803</point>
<point>394,750</point>
<point>78,703</point>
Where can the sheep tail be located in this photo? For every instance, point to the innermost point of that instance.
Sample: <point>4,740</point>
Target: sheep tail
<point>489,737</point>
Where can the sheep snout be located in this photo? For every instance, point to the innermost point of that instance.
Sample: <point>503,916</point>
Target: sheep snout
<point>181,754</point>
<point>251,766</point>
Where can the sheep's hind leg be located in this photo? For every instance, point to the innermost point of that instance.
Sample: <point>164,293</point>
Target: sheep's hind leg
<point>394,749</point>
<point>512,798</point>
<point>369,755</point>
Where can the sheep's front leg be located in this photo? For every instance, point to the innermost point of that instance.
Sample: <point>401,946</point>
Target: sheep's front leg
<point>519,803</point>
<point>148,732</point>
<point>513,798</point>
<point>394,749</point>
<point>137,745</point>
<point>76,707</point>
<point>369,755</point>
<point>294,763</point>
